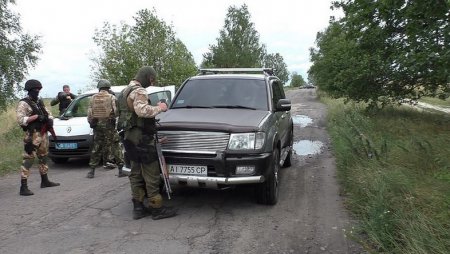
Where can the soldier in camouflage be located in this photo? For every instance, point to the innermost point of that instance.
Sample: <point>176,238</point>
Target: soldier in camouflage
<point>35,120</point>
<point>102,114</point>
<point>137,119</point>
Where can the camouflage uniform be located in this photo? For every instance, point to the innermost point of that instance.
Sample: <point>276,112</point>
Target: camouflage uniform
<point>112,153</point>
<point>139,144</point>
<point>104,129</point>
<point>35,139</point>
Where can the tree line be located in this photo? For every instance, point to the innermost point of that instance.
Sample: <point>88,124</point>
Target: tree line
<point>382,51</point>
<point>149,41</point>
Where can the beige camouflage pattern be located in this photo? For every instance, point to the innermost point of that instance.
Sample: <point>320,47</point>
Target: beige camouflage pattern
<point>24,111</point>
<point>138,101</point>
<point>39,141</point>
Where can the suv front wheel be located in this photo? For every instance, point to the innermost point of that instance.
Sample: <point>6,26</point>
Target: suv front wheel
<point>267,192</point>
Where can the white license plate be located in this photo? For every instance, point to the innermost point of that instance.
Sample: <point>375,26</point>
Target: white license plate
<point>188,170</point>
<point>61,146</point>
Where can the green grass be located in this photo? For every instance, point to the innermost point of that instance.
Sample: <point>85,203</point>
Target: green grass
<point>394,167</point>
<point>11,139</point>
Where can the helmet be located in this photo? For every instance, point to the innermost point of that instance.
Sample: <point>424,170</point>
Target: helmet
<point>143,75</point>
<point>32,83</point>
<point>103,83</point>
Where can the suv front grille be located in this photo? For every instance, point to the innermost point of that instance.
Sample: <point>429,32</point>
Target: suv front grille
<point>194,142</point>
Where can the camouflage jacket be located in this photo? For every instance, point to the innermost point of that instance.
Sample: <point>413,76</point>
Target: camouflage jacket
<point>138,101</point>
<point>24,111</point>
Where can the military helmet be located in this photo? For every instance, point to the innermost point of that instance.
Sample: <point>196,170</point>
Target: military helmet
<point>143,75</point>
<point>32,83</point>
<point>103,83</point>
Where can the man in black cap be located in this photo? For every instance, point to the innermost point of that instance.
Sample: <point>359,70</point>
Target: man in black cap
<point>35,120</point>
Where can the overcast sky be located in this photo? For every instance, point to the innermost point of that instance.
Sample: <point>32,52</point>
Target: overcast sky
<point>288,27</point>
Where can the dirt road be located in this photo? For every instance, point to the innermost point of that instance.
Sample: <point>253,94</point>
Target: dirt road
<point>94,215</point>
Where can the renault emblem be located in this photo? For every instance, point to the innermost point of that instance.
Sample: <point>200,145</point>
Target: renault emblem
<point>69,129</point>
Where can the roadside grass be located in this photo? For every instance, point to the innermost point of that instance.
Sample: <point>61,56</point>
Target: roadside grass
<point>436,101</point>
<point>11,139</point>
<point>394,169</point>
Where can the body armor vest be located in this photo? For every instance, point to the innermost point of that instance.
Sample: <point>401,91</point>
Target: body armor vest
<point>101,105</point>
<point>129,119</point>
<point>38,109</point>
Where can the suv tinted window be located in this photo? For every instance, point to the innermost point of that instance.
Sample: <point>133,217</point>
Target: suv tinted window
<point>230,92</point>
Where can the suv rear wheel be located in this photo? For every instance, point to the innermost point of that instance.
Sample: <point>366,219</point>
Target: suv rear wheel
<point>267,192</point>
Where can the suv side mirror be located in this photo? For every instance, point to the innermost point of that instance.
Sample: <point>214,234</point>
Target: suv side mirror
<point>283,105</point>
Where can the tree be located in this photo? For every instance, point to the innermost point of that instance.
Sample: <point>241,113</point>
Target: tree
<point>150,41</point>
<point>238,46</point>
<point>297,80</point>
<point>381,51</point>
<point>276,61</point>
<point>18,53</point>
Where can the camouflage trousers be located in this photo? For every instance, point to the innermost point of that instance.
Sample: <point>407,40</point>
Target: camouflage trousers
<point>146,177</point>
<point>39,148</point>
<point>103,136</point>
<point>113,151</point>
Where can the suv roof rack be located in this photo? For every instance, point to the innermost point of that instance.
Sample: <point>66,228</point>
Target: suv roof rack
<point>266,71</point>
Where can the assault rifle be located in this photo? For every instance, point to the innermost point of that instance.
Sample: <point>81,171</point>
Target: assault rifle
<point>162,162</point>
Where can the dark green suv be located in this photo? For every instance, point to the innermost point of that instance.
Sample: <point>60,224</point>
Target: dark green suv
<point>229,127</point>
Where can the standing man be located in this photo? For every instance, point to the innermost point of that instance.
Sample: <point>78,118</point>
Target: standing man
<point>64,98</point>
<point>35,120</point>
<point>137,119</point>
<point>102,114</point>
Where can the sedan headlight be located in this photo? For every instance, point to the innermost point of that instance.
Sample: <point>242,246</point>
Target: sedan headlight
<point>246,141</point>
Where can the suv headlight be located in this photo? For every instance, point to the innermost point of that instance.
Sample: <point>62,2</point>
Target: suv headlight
<point>246,141</point>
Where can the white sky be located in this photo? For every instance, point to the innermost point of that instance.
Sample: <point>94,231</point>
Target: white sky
<point>288,27</point>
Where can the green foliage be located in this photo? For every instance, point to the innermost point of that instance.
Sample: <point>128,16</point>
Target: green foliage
<point>394,170</point>
<point>18,52</point>
<point>381,51</point>
<point>150,41</point>
<point>238,46</point>
<point>11,153</point>
<point>276,61</point>
<point>297,80</point>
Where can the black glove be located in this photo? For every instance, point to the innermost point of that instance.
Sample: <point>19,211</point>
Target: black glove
<point>42,118</point>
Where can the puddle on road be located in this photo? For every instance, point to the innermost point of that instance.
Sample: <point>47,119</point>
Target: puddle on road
<point>301,120</point>
<point>306,147</point>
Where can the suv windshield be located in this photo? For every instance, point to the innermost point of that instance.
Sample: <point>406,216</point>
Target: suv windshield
<point>223,93</point>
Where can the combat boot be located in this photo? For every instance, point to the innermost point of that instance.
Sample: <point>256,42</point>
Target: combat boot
<point>46,183</point>
<point>91,173</point>
<point>163,212</point>
<point>24,191</point>
<point>139,210</point>
<point>121,173</point>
